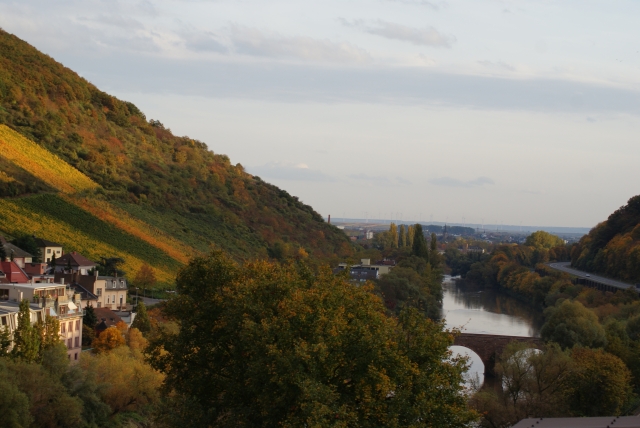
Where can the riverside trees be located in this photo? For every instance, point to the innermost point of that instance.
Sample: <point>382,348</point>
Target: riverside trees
<point>278,345</point>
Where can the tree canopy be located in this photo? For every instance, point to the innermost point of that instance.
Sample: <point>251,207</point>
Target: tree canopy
<point>542,239</point>
<point>279,345</point>
<point>570,323</point>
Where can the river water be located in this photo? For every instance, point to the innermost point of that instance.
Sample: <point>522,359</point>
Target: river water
<point>473,309</point>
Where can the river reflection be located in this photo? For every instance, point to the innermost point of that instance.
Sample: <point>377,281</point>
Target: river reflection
<point>474,309</point>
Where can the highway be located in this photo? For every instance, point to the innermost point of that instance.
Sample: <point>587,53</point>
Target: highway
<point>566,267</point>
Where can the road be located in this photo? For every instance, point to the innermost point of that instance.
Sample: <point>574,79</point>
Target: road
<point>565,267</point>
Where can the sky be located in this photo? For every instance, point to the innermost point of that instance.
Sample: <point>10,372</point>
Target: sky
<point>470,111</point>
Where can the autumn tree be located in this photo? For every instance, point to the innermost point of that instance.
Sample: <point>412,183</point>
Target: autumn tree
<point>108,340</point>
<point>393,232</point>
<point>271,345</point>
<point>402,236</point>
<point>410,232</point>
<point>542,239</point>
<point>145,277</point>
<point>601,383</point>
<point>141,321</point>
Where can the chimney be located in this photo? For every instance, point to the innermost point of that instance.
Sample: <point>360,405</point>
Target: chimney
<point>329,221</point>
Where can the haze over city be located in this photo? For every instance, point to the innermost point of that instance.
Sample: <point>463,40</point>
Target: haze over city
<point>496,111</point>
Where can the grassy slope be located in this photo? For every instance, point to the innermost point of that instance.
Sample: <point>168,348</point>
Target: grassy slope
<point>164,193</point>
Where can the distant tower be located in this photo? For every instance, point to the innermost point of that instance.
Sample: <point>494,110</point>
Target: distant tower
<point>329,219</point>
<point>444,233</point>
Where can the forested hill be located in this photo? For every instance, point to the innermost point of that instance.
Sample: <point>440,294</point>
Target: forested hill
<point>613,246</point>
<point>166,195</point>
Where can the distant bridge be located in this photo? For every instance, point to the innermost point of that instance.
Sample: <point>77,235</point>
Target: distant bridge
<point>489,347</point>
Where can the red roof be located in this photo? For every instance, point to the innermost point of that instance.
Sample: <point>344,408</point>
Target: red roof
<point>13,272</point>
<point>74,259</point>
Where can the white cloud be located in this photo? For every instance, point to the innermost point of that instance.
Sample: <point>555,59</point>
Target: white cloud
<point>255,42</point>
<point>287,171</point>
<point>455,182</point>
<point>427,36</point>
<point>205,41</point>
<point>497,65</point>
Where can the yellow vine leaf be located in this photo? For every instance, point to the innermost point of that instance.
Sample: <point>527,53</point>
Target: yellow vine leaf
<point>41,163</point>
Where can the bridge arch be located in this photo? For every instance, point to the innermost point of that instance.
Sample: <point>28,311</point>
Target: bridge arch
<point>489,347</point>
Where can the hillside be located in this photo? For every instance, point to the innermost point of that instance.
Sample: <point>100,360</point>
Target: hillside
<point>86,169</point>
<point>613,247</point>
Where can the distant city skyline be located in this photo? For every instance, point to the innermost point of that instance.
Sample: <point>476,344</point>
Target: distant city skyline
<point>499,110</point>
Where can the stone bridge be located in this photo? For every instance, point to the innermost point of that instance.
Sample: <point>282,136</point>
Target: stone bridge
<point>489,347</point>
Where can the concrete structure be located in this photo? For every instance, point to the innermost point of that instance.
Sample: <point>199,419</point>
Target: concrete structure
<point>111,291</point>
<point>57,301</point>
<point>49,249</point>
<point>365,270</point>
<point>599,422</point>
<point>74,262</point>
<point>87,298</point>
<point>12,273</point>
<point>489,347</point>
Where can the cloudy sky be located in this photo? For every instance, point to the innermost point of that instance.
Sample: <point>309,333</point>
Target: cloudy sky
<point>514,112</point>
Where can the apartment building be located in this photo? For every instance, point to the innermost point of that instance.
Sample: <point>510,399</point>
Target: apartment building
<point>54,300</point>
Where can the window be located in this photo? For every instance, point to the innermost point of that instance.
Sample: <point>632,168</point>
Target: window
<point>99,304</point>
<point>62,327</point>
<point>77,325</point>
<point>48,250</point>
<point>99,291</point>
<point>77,343</point>
<point>4,321</point>
<point>57,251</point>
<point>4,294</point>
<point>70,326</point>
<point>69,343</point>
<point>76,357</point>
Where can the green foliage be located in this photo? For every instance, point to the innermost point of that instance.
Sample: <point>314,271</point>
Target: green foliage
<point>570,324</point>
<point>90,319</point>
<point>28,243</point>
<point>542,239</point>
<point>141,321</point>
<point>5,341</point>
<point>420,248</point>
<point>26,339</point>
<point>600,383</point>
<point>278,345</point>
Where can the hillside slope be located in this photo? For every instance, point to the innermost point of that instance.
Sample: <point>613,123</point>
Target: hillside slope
<point>106,163</point>
<point>613,247</point>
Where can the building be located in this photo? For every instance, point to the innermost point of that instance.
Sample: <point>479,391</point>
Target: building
<point>365,270</point>
<point>111,291</point>
<point>49,249</point>
<point>106,318</point>
<point>15,254</point>
<point>12,273</point>
<point>38,272</point>
<point>87,298</point>
<point>54,300</point>
<point>74,262</point>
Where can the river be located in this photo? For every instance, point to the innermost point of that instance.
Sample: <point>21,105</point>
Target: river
<point>473,309</point>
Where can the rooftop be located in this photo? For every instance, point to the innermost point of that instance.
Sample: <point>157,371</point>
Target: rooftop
<point>599,422</point>
<point>44,243</point>
<point>74,260</point>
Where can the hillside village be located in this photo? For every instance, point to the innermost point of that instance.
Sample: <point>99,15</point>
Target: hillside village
<point>63,286</point>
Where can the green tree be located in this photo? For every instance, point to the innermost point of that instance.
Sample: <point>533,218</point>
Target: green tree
<point>90,319</point>
<point>420,247</point>
<point>26,338</point>
<point>410,232</point>
<point>543,240</point>
<point>434,243</point>
<point>14,404</point>
<point>49,333</point>
<point>278,345</point>
<point>5,341</point>
<point>28,243</point>
<point>142,321</point>
<point>110,266</point>
<point>534,384</point>
<point>3,253</point>
<point>601,383</point>
<point>570,324</point>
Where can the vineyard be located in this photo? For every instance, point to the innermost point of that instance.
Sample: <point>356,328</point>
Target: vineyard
<point>53,218</point>
<point>41,163</point>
